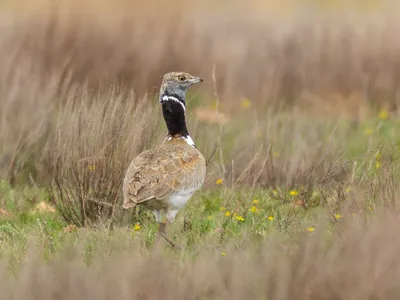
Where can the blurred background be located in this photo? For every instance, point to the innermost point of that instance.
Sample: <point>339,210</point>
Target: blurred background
<point>300,105</point>
<point>327,58</point>
<point>267,51</point>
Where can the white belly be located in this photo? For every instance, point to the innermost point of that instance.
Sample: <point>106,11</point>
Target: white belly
<point>178,200</point>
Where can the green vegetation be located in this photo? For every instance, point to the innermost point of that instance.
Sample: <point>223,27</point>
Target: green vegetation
<point>301,114</point>
<point>225,211</point>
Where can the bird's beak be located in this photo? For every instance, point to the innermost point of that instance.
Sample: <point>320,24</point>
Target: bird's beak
<point>196,80</point>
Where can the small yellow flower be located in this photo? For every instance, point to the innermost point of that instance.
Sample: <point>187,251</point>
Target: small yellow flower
<point>239,218</point>
<point>368,131</point>
<point>348,189</point>
<point>338,216</point>
<point>137,227</point>
<point>219,181</point>
<point>227,214</point>
<point>254,209</point>
<point>222,208</point>
<point>92,168</point>
<point>378,155</point>
<point>214,104</point>
<point>293,193</point>
<point>255,201</point>
<point>271,218</point>
<point>369,208</point>
<point>274,192</point>
<point>223,253</point>
<point>209,218</point>
<point>311,229</point>
<point>383,114</point>
<point>246,103</point>
<point>377,165</point>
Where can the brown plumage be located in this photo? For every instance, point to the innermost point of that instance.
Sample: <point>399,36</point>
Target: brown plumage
<point>163,179</point>
<point>159,173</point>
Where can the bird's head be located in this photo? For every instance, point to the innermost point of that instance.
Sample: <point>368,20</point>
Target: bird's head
<point>176,84</point>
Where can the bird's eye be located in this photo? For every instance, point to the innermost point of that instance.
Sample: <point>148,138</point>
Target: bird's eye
<point>181,78</point>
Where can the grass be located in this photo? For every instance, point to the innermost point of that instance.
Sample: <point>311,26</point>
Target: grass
<point>226,211</point>
<point>301,197</point>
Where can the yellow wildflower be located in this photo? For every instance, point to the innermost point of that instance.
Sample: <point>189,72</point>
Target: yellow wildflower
<point>369,208</point>
<point>255,201</point>
<point>253,209</point>
<point>222,208</point>
<point>246,103</point>
<point>209,218</point>
<point>137,226</point>
<point>274,192</point>
<point>383,114</point>
<point>275,154</point>
<point>338,216</point>
<point>378,155</point>
<point>271,218</point>
<point>311,229</point>
<point>377,165</point>
<point>223,253</point>
<point>214,104</point>
<point>293,193</point>
<point>219,181</point>
<point>92,168</point>
<point>239,218</point>
<point>227,214</point>
<point>368,131</point>
<point>347,189</point>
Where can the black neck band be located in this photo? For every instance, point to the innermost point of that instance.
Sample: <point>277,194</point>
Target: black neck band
<point>174,115</point>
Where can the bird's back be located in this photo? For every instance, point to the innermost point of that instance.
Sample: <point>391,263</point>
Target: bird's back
<point>162,172</point>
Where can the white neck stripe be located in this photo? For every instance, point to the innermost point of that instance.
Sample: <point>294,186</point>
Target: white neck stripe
<point>187,139</point>
<point>166,98</point>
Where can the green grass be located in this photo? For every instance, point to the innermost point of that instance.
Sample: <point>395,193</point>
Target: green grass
<point>300,217</point>
<point>221,214</point>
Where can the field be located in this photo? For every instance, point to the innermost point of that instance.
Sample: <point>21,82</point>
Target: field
<point>299,113</point>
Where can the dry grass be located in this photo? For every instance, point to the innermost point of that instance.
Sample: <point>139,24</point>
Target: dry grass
<point>261,54</point>
<point>361,264</point>
<point>294,107</point>
<point>96,137</point>
<point>331,66</point>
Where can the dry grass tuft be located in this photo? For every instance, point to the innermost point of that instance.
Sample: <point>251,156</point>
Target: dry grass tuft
<point>363,263</point>
<point>96,136</point>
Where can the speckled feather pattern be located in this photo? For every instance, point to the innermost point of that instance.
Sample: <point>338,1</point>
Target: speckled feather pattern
<point>158,174</point>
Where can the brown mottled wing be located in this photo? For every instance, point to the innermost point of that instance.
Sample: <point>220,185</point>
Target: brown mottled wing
<point>161,172</point>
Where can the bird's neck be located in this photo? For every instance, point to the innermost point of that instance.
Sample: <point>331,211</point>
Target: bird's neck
<point>173,107</point>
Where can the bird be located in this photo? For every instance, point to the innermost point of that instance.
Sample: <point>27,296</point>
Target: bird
<point>164,178</point>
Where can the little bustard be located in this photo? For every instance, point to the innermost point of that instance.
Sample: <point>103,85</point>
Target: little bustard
<point>163,179</point>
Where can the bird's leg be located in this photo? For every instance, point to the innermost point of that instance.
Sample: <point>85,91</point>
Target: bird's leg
<point>162,232</point>
<point>187,225</point>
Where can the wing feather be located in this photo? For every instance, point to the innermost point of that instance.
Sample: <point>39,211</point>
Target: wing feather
<point>159,173</point>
